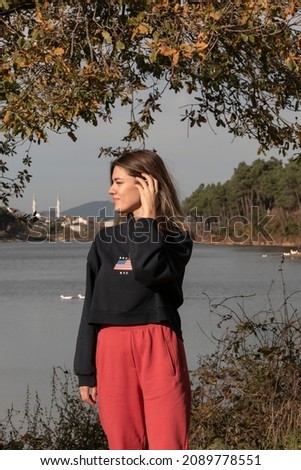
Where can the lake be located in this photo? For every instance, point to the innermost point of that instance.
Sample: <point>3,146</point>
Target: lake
<point>38,329</point>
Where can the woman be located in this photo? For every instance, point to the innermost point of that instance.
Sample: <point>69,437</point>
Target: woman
<point>130,355</point>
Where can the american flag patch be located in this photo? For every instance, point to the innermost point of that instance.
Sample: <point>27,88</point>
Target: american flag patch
<point>123,264</point>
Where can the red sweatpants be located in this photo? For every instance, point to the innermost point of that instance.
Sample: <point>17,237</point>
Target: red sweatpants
<point>144,393</point>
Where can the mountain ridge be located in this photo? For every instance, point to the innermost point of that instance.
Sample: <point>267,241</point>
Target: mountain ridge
<point>102,209</point>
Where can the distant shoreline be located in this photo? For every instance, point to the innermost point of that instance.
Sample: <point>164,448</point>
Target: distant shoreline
<point>285,244</point>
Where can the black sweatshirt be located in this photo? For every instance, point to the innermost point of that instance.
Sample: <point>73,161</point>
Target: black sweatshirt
<point>134,276</point>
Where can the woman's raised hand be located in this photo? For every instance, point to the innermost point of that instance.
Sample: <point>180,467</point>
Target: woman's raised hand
<point>148,189</point>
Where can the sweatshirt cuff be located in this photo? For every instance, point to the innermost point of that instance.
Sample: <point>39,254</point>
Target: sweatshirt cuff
<point>86,380</point>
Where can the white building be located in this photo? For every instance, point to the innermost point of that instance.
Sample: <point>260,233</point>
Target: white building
<point>58,207</point>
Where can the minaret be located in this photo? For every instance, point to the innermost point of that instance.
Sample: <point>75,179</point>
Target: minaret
<point>58,207</point>
<point>34,204</point>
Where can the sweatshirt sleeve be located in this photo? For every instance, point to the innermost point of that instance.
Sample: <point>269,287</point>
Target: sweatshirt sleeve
<point>84,360</point>
<point>158,257</point>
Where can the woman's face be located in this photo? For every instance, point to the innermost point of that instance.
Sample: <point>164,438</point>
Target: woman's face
<point>126,197</point>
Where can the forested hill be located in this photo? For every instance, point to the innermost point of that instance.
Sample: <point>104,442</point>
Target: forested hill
<point>267,188</point>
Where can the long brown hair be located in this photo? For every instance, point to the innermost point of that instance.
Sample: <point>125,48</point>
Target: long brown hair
<point>169,213</point>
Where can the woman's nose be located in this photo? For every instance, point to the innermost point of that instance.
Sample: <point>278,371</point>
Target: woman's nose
<point>111,189</point>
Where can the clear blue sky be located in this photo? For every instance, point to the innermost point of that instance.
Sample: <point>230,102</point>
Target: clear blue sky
<point>74,171</point>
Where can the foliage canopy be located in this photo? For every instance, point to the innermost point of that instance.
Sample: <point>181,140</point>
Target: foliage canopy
<point>265,191</point>
<point>238,61</point>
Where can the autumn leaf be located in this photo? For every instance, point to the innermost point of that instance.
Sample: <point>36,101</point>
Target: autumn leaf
<point>141,29</point>
<point>107,37</point>
<point>6,117</point>
<point>58,51</point>
<point>216,15</point>
<point>48,59</point>
<point>175,58</point>
<point>201,45</point>
<point>38,16</point>
<point>120,45</point>
<point>167,51</point>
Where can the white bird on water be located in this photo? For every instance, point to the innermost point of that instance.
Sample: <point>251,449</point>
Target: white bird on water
<point>69,297</point>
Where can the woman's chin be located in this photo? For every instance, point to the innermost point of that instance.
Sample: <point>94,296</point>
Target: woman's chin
<point>118,211</point>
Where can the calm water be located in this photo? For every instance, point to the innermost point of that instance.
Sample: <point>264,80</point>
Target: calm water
<point>38,329</point>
